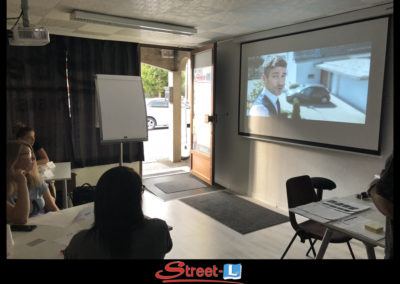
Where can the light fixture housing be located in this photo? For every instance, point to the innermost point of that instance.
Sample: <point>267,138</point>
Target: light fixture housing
<point>103,19</point>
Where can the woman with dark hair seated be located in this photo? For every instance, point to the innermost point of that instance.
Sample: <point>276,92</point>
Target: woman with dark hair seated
<point>120,229</point>
<point>27,134</point>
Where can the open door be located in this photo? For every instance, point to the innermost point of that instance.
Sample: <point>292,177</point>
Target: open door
<point>202,128</point>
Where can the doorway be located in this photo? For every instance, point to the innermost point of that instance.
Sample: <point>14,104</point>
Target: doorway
<point>166,81</point>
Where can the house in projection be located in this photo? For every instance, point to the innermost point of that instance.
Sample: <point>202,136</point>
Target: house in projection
<point>344,70</point>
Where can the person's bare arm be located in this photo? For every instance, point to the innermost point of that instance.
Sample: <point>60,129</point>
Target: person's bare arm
<point>49,202</point>
<point>19,213</point>
<point>384,205</point>
<point>41,157</point>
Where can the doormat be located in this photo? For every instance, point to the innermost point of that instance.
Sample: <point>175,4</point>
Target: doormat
<point>181,183</point>
<point>201,187</point>
<point>234,212</point>
<point>174,172</point>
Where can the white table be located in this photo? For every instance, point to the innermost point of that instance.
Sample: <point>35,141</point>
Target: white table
<point>62,172</point>
<point>371,214</point>
<point>53,233</point>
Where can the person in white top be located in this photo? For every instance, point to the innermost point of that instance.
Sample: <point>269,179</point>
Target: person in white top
<point>274,77</point>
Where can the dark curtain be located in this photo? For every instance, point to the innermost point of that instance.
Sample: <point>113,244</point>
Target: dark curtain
<point>37,95</point>
<point>87,57</point>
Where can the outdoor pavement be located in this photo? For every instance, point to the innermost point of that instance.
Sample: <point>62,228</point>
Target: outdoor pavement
<point>157,151</point>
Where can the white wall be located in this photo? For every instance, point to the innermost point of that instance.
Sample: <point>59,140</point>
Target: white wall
<point>260,169</point>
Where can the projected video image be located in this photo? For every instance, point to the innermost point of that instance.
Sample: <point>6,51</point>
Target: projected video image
<point>324,84</point>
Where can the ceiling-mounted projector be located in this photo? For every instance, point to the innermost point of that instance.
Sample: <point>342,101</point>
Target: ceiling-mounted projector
<point>29,36</point>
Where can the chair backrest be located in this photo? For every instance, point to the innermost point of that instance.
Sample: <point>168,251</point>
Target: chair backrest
<point>300,191</point>
<point>321,184</point>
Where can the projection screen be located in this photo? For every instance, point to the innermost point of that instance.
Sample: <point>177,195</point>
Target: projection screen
<point>329,87</point>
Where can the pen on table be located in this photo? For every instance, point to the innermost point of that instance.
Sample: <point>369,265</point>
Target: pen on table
<point>350,218</point>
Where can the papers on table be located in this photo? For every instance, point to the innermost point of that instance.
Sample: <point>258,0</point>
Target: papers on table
<point>343,205</point>
<point>340,213</point>
<point>47,171</point>
<point>356,224</point>
<point>318,209</point>
<point>46,174</point>
<point>67,235</point>
<point>83,214</point>
<point>50,165</point>
<point>329,210</point>
<point>62,218</point>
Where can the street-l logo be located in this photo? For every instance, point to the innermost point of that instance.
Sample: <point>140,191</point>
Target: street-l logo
<point>232,271</point>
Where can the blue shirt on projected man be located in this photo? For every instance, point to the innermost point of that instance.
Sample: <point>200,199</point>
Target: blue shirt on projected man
<point>274,77</point>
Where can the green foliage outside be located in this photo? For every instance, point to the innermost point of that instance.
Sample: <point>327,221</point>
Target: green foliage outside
<point>258,87</point>
<point>296,109</point>
<point>154,81</point>
<point>255,67</point>
<point>255,72</point>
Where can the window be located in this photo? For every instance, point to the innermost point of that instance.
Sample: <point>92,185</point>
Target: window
<point>307,92</point>
<point>321,92</point>
<point>159,103</point>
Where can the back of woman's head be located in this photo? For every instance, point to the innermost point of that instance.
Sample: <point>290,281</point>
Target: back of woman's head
<point>20,130</point>
<point>118,200</point>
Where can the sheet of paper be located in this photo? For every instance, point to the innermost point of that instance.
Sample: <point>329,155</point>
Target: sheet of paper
<point>54,219</point>
<point>65,239</point>
<point>51,165</point>
<point>48,174</point>
<point>309,215</point>
<point>84,214</point>
<point>344,205</point>
<point>356,224</point>
<point>67,235</point>
<point>61,218</point>
<point>318,209</point>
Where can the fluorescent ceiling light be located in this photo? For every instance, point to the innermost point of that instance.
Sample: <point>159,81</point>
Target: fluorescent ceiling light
<point>130,23</point>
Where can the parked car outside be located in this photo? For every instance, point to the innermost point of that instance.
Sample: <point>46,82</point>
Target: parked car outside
<point>158,113</point>
<point>309,93</point>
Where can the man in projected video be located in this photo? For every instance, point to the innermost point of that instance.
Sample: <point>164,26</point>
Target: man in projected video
<point>267,103</point>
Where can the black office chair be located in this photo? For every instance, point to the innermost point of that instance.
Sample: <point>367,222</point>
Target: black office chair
<point>300,191</point>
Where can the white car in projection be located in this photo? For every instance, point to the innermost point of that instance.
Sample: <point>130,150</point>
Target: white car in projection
<point>158,113</point>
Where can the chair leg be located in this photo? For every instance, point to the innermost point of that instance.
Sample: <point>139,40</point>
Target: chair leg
<point>294,237</point>
<point>351,251</point>
<point>311,247</point>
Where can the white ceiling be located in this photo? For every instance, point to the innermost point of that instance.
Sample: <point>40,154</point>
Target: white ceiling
<point>214,19</point>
